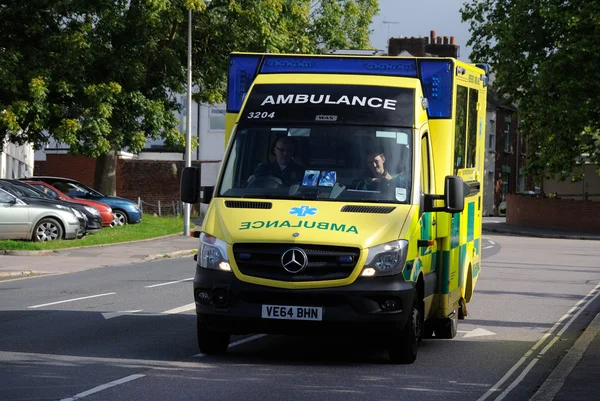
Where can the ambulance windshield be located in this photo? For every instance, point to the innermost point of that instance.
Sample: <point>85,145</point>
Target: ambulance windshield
<point>335,142</point>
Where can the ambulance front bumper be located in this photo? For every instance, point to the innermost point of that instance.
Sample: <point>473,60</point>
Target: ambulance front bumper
<point>372,304</point>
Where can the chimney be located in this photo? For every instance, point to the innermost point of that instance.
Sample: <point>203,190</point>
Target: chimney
<point>442,46</point>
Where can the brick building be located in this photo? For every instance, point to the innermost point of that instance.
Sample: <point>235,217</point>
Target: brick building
<point>419,47</point>
<point>510,152</point>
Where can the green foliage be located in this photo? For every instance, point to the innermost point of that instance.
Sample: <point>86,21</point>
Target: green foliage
<point>545,55</point>
<point>101,74</point>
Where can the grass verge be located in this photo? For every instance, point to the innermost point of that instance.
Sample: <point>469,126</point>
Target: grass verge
<point>150,227</point>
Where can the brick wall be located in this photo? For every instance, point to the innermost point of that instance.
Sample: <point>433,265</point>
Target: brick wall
<point>80,168</point>
<point>150,181</point>
<point>561,214</point>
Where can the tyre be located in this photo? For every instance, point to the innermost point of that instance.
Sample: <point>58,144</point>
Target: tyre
<point>47,229</point>
<point>448,327</point>
<point>212,342</point>
<point>405,344</point>
<point>120,218</point>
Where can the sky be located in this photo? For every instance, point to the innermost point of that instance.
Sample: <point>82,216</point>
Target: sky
<point>417,18</point>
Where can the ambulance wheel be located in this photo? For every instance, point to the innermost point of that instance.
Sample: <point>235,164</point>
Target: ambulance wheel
<point>406,343</point>
<point>448,327</point>
<point>212,342</point>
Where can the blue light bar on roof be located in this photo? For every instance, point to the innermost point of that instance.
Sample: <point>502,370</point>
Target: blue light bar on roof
<point>436,78</point>
<point>339,65</point>
<point>241,72</point>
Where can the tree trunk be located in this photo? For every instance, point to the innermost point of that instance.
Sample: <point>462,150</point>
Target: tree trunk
<point>105,176</point>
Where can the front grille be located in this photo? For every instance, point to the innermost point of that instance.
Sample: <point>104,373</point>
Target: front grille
<point>248,205</point>
<point>367,209</point>
<point>324,262</point>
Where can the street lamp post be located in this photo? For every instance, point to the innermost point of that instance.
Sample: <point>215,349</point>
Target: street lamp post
<point>188,113</point>
<point>188,116</point>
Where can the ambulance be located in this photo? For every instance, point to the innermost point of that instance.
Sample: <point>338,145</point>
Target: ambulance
<point>349,200</point>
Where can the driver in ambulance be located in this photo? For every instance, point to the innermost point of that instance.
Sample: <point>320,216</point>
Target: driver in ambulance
<point>283,166</point>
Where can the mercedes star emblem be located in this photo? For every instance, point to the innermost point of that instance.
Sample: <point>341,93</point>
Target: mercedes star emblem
<point>294,260</point>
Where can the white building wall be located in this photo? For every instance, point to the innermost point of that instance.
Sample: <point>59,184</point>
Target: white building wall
<point>16,161</point>
<point>208,125</point>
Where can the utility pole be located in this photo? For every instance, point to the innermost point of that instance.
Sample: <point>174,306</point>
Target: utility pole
<point>188,129</point>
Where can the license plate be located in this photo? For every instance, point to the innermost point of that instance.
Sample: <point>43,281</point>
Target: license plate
<point>292,312</point>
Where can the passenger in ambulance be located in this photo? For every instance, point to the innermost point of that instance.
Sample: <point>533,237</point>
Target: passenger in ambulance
<point>377,176</point>
<point>283,170</point>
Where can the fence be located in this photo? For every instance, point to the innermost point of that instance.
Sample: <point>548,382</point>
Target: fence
<point>166,208</point>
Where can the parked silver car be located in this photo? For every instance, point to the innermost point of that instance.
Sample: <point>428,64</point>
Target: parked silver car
<point>37,222</point>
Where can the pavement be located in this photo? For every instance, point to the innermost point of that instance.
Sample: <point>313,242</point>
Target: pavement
<point>574,378</point>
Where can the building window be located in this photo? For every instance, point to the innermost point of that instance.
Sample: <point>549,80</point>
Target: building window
<point>216,120</point>
<point>521,183</point>
<point>507,135</point>
<point>523,144</point>
<point>492,136</point>
<point>505,178</point>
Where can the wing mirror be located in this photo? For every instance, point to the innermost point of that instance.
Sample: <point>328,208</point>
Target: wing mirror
<point>190,189</point>
<point>190,185</point>
<point>454,196</point>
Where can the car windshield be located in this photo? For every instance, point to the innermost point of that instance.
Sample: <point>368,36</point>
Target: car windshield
<point>74,189</point>
<point>323,141</point>
<point>326,162</point>
<point>46,190</point>
<point>27,190</point>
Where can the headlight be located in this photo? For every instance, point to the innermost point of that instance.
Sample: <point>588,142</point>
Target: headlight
<point>77,213</point>
<point>386,259</point>
<point>93,211</point>
<point>213,253</point>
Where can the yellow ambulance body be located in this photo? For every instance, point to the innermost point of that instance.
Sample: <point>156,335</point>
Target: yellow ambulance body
<point>378,226</point>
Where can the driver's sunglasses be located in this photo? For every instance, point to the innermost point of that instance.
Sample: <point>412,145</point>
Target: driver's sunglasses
<point>284,150</point>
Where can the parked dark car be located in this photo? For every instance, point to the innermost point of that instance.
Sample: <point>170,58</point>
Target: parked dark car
<point>92,221</point>
<point>125,211</point>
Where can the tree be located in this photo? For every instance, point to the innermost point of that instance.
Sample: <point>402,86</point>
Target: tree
<point>545,54</point>
<point>100,75</point>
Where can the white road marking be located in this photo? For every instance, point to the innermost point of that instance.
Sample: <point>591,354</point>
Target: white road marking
<point>236,343</point>
<point>180,309</point>
<point>492,242</point>
<point>477,333</point>
<point>110,315</point>
<point>487,247</point>
<point>170,282</point>
<point>495,388</point>
<point>557,378</point>
<point>103,387</point>
<point>71,300</point>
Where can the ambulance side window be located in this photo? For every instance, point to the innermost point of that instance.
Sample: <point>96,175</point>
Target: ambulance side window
<point>425,170</point>
<point>460,128</point>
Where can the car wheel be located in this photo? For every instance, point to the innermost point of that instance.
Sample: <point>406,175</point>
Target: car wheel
<point>405,343</point>
<point>212,342</point>
<point>47,229</point>
<point>120,218</point>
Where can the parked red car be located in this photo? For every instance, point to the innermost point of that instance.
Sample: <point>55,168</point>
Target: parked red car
<point>105,210</point>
